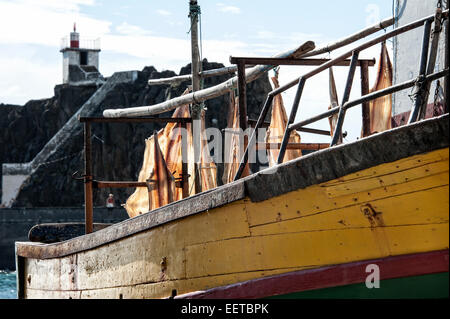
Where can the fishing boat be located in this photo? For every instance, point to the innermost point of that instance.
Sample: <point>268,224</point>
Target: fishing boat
<point>366,219</point>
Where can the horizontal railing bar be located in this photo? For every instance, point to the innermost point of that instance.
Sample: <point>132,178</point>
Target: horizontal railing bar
<point>281,61</point>
<point>394,89</point>
<point>135,119</point>
<point>367,98</point>
<point>314,131</point>
<point>379,39</point>
<point>296,146</point>
<point>302,129</point>
<point>188,77</point>
<point>109,184</point>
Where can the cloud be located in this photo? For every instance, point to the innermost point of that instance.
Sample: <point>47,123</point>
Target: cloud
<point>29,77</point>
<point>228,9</point>
<point>47,21</point>
<point>163,12</point>
<point>129,29</point>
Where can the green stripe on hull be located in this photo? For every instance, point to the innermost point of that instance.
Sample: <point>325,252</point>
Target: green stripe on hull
<point>425,286</point>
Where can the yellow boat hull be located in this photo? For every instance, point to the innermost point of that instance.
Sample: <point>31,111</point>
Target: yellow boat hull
<point>394,208</point>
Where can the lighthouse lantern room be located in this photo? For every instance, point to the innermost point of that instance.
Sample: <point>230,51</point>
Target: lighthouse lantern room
<point>80,58</point>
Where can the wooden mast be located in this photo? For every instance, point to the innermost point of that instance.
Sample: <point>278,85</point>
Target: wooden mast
<point>196,110</point>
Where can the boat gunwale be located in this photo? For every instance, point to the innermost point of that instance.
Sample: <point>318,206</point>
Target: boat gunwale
<point>311,169</point>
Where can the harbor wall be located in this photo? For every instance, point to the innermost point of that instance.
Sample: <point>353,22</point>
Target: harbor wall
<point>16,222</point>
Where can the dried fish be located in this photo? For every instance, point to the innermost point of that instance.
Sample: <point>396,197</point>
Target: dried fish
<point>381,108</point>
<point>275,132</point>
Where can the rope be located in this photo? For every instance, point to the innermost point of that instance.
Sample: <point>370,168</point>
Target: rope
<point>60,159</point>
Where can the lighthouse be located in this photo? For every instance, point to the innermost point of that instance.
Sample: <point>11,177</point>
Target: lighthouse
<point>80,59</point>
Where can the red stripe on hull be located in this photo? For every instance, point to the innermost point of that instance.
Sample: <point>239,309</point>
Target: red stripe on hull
<point>332,276</point>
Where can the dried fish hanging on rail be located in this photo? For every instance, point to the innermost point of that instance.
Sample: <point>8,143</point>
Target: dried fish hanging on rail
<point>138,202</point>
<point>380,113</point>
<point>161,179</point>
<point>169,140</point>
<point>154,171</point>
<point>170,144</point>
<point>234,144</point>
<point>172,135</point>
<point>173,153</point>
<point>333,103</point>
<point>275,132</point>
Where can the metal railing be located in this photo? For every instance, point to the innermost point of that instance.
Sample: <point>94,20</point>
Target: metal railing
<point>84,43</point>
<point>420,83</point>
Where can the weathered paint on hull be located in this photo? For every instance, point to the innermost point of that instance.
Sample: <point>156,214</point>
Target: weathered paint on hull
<point>391,209</point>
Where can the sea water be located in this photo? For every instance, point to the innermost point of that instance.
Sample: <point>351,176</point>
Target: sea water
<point>8,289</point>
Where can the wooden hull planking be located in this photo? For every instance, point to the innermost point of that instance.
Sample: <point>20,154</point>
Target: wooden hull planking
<point>391,209</point>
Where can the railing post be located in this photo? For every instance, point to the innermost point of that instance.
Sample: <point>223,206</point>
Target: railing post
<point>287,131</point>
<point>418,94</point>
<point>446,80</point>
<point>88,202</point>
<point>252,140</point>
<point>345,98</point>
<point>431,60</point>
<point>184,159</point>
<point>366,105</point>
<point>242,89</point>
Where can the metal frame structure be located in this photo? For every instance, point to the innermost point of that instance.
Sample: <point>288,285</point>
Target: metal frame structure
<point>90,183</point>
<point>420,83</point>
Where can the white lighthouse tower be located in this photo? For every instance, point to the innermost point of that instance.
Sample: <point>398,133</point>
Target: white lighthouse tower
<point>80,58</point>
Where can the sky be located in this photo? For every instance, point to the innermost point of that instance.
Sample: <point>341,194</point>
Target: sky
<point>138,33</point>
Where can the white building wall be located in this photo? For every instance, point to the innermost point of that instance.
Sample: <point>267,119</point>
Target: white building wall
<point>407,49</point>
<point>93,58</point>
<point>69,58</point>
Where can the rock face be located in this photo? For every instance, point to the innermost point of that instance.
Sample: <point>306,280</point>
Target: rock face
<point>117,148</point>
<point>24,130</point>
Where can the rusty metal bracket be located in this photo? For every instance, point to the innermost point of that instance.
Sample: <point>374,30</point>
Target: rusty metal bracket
<point>179,180</point>
<point>84,177</point>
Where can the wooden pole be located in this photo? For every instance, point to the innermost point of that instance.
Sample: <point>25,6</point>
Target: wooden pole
<point>196,110</point>
<point>233,69</point>
<point>206,94</point>
<point>242,87</point>
<point>353,38</point>
<point>88,202</point>
<point>188,77</point>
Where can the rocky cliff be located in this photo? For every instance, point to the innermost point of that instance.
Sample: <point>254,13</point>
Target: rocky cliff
<point>117,148</point>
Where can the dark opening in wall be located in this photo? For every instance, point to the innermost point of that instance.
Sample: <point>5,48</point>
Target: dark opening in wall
<point>83,58</point>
